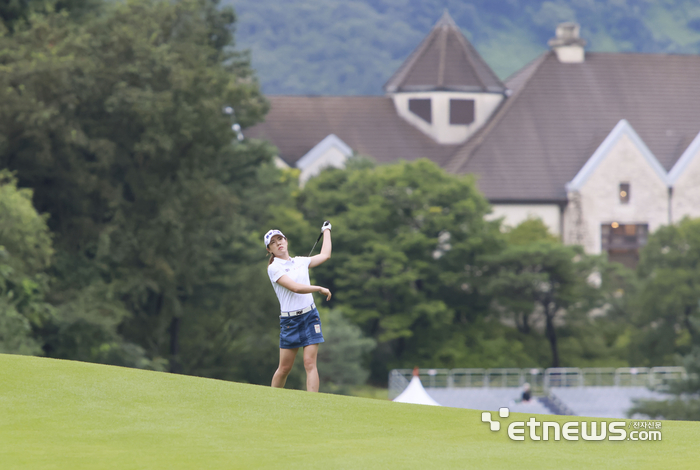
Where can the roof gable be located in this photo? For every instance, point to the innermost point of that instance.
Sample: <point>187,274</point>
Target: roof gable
<point>683,162</point>
<point>621,129</point>
<point>560,113</point>
<point>445,60</point>
<point>322,147</point>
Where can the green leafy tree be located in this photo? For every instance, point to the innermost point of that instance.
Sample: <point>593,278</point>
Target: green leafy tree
<point>597,328</point>
<point>668,303</point>
<point>16,13</point>
<point>530,231</point>
<point>686,403</point>
<point>407,240</point>
<point>340,358</point>
<point>542,277</point>
<point>522,308</point>
<point>25,254</point>
<point>117,123</point>
<point>593,331</point>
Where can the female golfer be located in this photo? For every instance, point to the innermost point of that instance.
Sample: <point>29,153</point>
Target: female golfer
<point>300,325</point>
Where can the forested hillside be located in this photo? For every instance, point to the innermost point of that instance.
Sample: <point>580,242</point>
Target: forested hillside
<point>351,47</point>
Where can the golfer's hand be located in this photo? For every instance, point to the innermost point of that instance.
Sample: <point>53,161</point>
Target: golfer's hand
<point>326,292</point>
<point>326,226</point>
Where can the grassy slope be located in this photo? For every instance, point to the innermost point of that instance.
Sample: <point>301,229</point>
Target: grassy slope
<point>70,415</point>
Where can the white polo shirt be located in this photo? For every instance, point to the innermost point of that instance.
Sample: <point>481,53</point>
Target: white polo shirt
<point>297,269</point>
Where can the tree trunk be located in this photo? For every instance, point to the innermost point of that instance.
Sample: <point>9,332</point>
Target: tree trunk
<point>175,367</point>
<point>522,321</point>
<point>694,336</point>
<point>551,333</point>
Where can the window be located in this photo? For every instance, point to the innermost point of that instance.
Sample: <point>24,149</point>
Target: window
<point>421,108</point>
<point>622,242</point>
<point>461,111</point>
<point>624,193</point>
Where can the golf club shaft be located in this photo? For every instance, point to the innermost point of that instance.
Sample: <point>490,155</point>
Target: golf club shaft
<point>312,248</point>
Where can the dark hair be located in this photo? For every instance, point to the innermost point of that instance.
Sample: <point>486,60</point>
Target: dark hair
<point>272,256</point>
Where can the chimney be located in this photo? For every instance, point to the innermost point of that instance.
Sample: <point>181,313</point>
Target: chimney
<point>567,44</point>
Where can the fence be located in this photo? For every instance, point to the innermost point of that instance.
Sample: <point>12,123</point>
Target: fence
<point>540,380</point>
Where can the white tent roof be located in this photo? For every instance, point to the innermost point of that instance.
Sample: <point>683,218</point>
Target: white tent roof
<point>416,394</point>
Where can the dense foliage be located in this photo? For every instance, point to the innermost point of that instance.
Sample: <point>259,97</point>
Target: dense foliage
<point>25,254</point>
<point>336,47</point>
<point>116,122</point>
<point>418,267</point>
<point>667,312</point>
<point>686,403</point>
<point>407,240</point>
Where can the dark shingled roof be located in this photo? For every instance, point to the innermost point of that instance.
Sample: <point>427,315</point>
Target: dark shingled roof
<point>445,60</point>
<point>368,124</point>
<point>560,113</point>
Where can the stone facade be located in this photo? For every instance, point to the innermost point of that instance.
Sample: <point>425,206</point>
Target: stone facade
<point>596,199</point>
<point>685,200</point>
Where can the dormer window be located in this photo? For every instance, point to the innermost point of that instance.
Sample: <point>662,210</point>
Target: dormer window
<point>624,193</point>
<point>446,74</point>
<point>461,112</point>
<point>421,108</point>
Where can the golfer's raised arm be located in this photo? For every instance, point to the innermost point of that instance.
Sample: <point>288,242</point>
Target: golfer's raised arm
<point>326,248</point>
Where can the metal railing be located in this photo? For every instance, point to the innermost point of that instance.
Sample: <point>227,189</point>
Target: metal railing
<point>397,383</point>
<point>632,376</point>
<point>661,377</point>
<point>540,380</point>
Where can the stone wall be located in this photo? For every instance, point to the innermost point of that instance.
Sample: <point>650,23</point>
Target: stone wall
<point>597,201</point>
<point>686,191</point>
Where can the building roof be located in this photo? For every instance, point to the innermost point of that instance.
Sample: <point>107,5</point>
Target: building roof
<point>445,60</point>
<point>559,114</point>
<point>554,119</point>
<point>368,124</point>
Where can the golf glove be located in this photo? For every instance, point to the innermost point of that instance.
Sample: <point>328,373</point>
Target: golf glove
<point>326,226</point>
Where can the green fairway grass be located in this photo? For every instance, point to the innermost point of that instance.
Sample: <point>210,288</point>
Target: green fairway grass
<point>71,415</point>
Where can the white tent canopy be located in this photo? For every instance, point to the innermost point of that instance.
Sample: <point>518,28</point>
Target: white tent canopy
<point>416,394</point>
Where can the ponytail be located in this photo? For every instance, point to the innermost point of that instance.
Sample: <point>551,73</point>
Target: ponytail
<point>272,258</point>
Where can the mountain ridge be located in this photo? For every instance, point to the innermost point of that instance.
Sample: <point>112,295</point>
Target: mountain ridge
<point>336,47</point>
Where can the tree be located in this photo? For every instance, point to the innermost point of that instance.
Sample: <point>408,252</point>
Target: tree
<point>25,254</point>
<point>116,122</point>
<point>529,231</point>
<point>405,267</point>
<point>686,404</point>
<point>668,309</point>
<point>542,276</point>
<point>16,13</point>
<point>597,328</point>
<point>340,358</point>
<point>532,230</point>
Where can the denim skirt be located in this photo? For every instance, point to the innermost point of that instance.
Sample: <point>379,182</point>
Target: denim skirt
<point>300,330</point>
